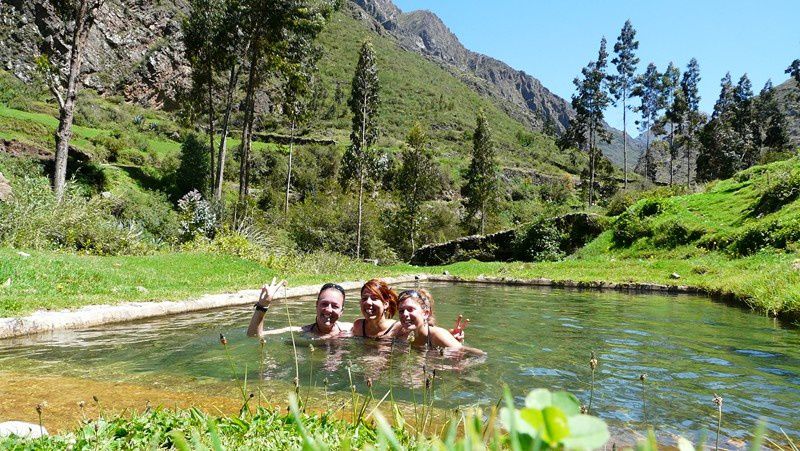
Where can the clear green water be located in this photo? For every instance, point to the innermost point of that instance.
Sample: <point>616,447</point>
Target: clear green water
<point>689,347</point>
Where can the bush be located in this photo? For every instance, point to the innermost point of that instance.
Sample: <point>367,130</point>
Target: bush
<point>150,210</point>
<point>197,217</point>
<point>540,242</point>
<point>628,228</point>
<point>780,193</point>
<point>650,207</point>
<point>673,233</point>
<point>619,203</point>
<point>33,219</point>
<point>193,172</point>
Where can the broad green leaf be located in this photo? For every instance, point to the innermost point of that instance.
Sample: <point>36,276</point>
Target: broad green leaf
<point>567,402</point>
<point>555,425</point>
<point>586,432</point>
<point>532,417</point>
<point>539,399</point>
<point>512,417</point>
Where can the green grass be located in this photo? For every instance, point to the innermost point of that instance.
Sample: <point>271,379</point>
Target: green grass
<point>54,280</point>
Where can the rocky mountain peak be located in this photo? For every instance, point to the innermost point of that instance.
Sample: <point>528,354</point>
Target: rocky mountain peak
<point>429,35</point>
<point>383,11</point>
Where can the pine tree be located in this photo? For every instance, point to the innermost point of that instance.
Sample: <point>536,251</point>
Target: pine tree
<point>359,160</point>
<point>648,89</point>
<point>192,174</point>
<point>622,84</point>
<point>481,186</point>
<point>693,119</point>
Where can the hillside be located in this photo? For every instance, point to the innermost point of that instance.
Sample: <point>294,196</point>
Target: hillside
<point>788,95</point>
<point>521,95</point>
<point>136,51</point>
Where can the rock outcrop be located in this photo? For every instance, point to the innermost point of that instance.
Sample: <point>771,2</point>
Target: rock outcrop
<point>135,47</point>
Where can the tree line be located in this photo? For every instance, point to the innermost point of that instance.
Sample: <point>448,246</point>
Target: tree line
<point>740,132</point>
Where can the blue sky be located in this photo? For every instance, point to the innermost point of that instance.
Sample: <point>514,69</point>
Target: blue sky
<point>553,40</point>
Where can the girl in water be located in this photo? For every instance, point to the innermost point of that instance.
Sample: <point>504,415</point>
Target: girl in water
<point>378,305</point>
<point>419,322</point>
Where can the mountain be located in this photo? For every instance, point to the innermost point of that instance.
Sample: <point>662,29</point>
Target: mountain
<point>136,50</point>
<point>519,94</point>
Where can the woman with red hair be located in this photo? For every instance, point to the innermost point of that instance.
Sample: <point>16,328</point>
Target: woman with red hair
<point>378,305</point>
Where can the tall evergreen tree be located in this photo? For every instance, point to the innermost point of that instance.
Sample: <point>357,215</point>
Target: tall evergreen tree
<point>359,160</point>
<point>693,119</point>
<point>623,82</point>
<point>648,89</point>
<point>415,181</point>
<point>590,101</point>
<point>480,189</point>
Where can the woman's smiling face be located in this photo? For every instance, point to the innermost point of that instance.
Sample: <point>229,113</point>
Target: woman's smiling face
<point>412,314</point>
<point>372,307</point>
<point>330,305</point>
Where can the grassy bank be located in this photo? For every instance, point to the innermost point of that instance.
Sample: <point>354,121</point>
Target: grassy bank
<point>50,280</point>
<point>54,280</point>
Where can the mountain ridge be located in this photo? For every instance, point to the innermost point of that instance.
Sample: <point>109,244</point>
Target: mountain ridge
<point>521,95</point>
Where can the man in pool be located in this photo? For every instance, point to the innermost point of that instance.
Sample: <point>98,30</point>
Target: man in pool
<point>330,306</point>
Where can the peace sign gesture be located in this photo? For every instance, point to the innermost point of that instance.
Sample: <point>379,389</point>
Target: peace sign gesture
<point>458,331</point>
<point>268,292</point>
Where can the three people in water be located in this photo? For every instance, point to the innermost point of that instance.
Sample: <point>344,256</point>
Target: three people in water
<point>378,304</point>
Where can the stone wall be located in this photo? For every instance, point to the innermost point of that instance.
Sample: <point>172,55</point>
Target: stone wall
<point>574,231</point>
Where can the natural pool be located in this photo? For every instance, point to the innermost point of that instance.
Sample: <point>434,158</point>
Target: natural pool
<point>689,347</point>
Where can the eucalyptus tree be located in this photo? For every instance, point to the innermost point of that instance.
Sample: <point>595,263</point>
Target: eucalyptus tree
<point>648,89</point>
<point>233,46</point>
<point>62,73</point>
<point>480,189</point>
<point>590,101</point>
<point>623,82</point>
<point>200,30</point>
<point>744,123</point>
<point>772,127</point>
<point>297,105</point>
<point>278,33</point>
<point>359,161</point>
<point>693,118</point>
<point>674,109</point>
<point>717,158</point>
<point>416,181</point>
